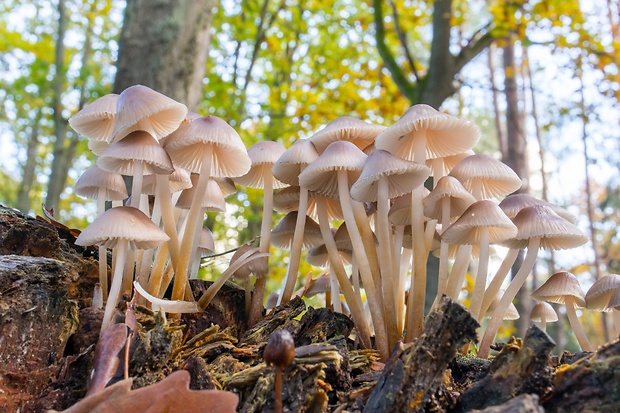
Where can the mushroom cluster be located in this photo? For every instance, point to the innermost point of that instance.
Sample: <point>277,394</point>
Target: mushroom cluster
<point>366,180</point>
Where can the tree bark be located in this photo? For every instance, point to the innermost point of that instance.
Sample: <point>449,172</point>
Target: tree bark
<point>23,193</point>
<point>164,45</point>
<point>55,188</point>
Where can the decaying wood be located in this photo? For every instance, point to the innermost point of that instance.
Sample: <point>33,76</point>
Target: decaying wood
<point>525,403</point>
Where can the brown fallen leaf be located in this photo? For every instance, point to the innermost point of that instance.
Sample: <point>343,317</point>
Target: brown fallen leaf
<point>171,395</point>
<point>106,360</point>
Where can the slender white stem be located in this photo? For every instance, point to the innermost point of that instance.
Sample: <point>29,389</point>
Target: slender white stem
<point>580,335</point>
<point>511,292</point>
<point>194,222</point>
<point>442,277</point>
<point>498,279</point>
<point>543,323</point>
<point>355,304</point>
<point>415,302</point>
<point>481,276</point>
<point>459,269</point>
<point>335,291</point>
<point>117,281</point>
<point>103,251</point>
<point>374,302</point>
<point>295,257</point>
<point>136,184</point>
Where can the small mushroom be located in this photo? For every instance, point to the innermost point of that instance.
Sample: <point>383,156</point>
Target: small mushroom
<point>544,313</point>
<point>279,352</point>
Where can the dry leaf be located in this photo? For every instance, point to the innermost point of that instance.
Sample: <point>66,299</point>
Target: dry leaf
<point>105,363</point>
<point>167,396</point>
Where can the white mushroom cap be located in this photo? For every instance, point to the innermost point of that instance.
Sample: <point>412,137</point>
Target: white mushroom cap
<point>126,223</point>
<point>121,156</point>
<point>346,128</point>
<point>558,286</point>
<point>447,187</point>
<point>467,229</point>
<point>493,178</point>
<point>264,155</point>
<point>95,178</point>
<point>599,295</point>
<point>511,314</point>
<point>96,120</point>
<point>290,164</point>
<point>282,234</point>
<point>445,134</point>
<point>543,310</point>
<point>513,204</point>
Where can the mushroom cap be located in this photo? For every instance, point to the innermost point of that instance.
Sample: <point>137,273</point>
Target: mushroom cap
<point>227,185</point>
<point>449,162</point>
<point>212,199</point>
<point>319,257</point>
<point>280,349</point>
<point>481,214</point>
<point>447,187</point>
<point>445,134</point>
<point>559,286</point>
<point>321,175</point>
<point>346,128</point>
<point>400,211</point>
<point>544,310</point>
<point>98,147</point>
<point>495,178</point>
<point>599,295</point>
<point>264,155</point>
<point>126,223</point>
<point>512,204</point>
<point>257,266</point>
<point>555,232</point>
<point>402,176</point>
<point>96,120</point>
<point>186,145</point>
<point>142,108</point>
<point>282,234</point>
<point>318,285</point>
<point>206,243</point>
<point>138,146</point>
<point>177,180</point>
<point>290,164</point>
<point>94,178</point>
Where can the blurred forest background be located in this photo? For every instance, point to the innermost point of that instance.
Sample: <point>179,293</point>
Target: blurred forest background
<point>540,77</point>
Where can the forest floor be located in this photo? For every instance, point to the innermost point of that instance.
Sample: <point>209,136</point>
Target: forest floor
<point>49,354</point>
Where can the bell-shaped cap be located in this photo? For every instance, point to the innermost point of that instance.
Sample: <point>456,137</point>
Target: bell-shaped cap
<point>513,204</point>
<point>264,155</point>
<point>559,286</point>
<point>91,182</point>
<point>138,146</point>
<point>96,120</point>
<point>486,177</point>
<point>346,128</point>
<point>290,164</point>
<point>447,187</point>
<point>481,214</point>
<point>599,295</point>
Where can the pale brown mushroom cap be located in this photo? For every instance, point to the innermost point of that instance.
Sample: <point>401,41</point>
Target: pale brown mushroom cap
<point>400,211</point>
<point>257,266</point>
<point>186,145</point>
<point>94,178</point>
<point>290,164</point>
<point>318,285</point>
<point>511,313</point>
<point>445,134</point>
<point>98,147</point>
<point>121,156</point>
<point>142,108</point>
<point>319,257</point>
<point>558,287</point>
<point>513,204</point>
<point>264,155</point>
<point>346,128</point>
<point>206,243</point>
<point>96,120</point>
<point>600,293</point>
<point>402,176</point>
<point>447,187</point>
<point>212,200</point>
<point>126,223</point>
<point>481,214</point>
<point>321,175</point>
<point>496,179</point>
<point>555,232</point>
<point>178,181</point>
<point>450,161</point>
<point>543,310</point>
<point>227,185</point>
<point>282,234</point>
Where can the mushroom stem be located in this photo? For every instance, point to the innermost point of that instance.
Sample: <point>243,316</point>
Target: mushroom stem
<point>374,300</point>
<point>103,251</point>
<point>334,292</point>
<point>136,184</point>
<point>498,279</point>
<point>511,292</point>
<point>258,295</point>
<point>298,236</point>
<point>543,323</point>
<point>193,223</point>
<point>417,291</point>
<point>459,269</point>
<point>277,404</point>
<point>481,276</point>
<point>245,258</point>
<point>442,276</point>
<point>157,271</point>
<point>117,282</point>
<point>167,216</point>
<point>389,279</point>
<point>580,335</point>
<point>354,301</point>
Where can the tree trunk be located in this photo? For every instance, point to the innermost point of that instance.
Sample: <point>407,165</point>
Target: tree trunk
<point>516,154</point>
<point>55,187</point>
<point>23,193</point>
<point>164,45</point>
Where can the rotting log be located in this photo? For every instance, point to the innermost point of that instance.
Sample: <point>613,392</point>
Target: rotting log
<point>413,376</point>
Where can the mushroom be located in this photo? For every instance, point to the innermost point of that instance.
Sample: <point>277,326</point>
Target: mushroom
<point>538,227</point>
<point>96,120</point>
<point>544,313</point>
<point>95,183</point>
<point>263,155</point>
<point>346,128</point>
<point>483,223</point>
<point>563,287</point>
<point>121,228</point>
<point>332,174</point>
<point>384,177</point>
<point>279,352</point>
<point>211,147</point>
<point>287,169</point>
<point>599,297</point>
